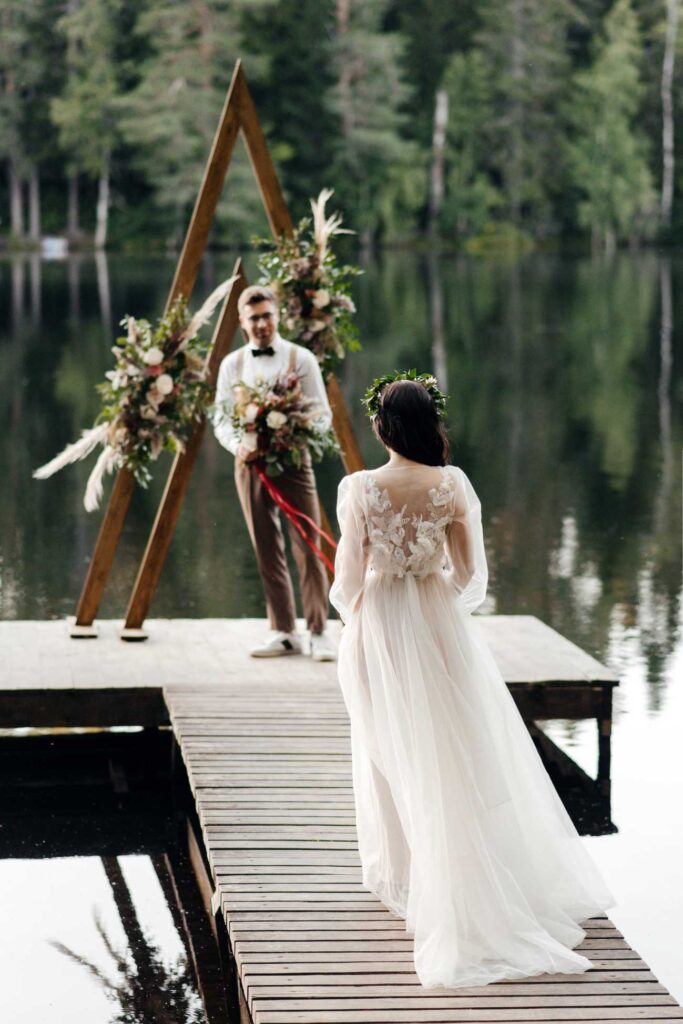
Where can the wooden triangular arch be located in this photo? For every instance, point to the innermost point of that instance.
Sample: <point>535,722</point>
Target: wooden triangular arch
<point>239,114</point>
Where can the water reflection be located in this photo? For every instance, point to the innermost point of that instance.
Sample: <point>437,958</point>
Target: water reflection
<point>587,800</point>
<point>565,400</point>
<point>143,985</point>
<point>95,877</point>
<point>566,385</point>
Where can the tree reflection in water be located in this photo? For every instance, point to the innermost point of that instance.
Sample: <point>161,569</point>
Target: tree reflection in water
<point>565,380</point>
<point>145,988</point>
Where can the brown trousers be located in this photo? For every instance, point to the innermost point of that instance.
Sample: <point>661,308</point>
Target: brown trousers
<point>262,517</point>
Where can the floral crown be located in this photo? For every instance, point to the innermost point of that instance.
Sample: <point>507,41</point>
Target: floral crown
<point>371,400</point>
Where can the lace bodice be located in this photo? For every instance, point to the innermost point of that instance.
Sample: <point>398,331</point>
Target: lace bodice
<point>403,541</point>
<point>408,523</point>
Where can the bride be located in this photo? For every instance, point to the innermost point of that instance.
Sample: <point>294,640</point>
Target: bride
<point>460,830</point>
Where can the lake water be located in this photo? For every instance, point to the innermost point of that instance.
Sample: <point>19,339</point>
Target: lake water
<point>102,921</point>
<point>566,384</point>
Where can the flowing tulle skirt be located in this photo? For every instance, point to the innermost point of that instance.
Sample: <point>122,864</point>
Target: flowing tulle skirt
<point>460,830</point>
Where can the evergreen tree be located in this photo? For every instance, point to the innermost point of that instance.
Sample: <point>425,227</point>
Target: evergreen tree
<point>38,133</point>
<point>608,152</point>
<point>20,72</point>
<point>291,85</point>
<point>86,113</point>
<point>374,165</point>
<point>524,46</point>
<point>171,115</point>
<point>432,31</point>
<point>553,115</point>
<point>471,197</point>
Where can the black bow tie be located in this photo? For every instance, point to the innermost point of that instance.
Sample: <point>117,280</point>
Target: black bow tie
<point>269,351</point>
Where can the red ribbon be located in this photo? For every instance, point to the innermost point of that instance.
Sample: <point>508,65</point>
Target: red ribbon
<point>294,514</point>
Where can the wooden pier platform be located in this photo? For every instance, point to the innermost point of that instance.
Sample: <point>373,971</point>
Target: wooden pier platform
<point>266,748</point>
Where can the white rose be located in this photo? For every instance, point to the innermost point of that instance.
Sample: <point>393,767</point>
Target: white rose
<point>251,412</point>
<point>250,441</point>
<point>153,356</point>
<point>164,384</point>
<point>118,379</point>
<point>275,419</point>
<point>321,298</point>
<point>346,302</point>
<point>317,325</point>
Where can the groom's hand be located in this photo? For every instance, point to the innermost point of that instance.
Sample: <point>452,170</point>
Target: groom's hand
<point>246,455</point>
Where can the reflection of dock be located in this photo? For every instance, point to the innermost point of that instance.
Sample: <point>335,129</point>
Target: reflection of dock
<point>267,754</point>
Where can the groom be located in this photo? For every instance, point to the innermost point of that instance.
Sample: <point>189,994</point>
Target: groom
<point>265,356</point>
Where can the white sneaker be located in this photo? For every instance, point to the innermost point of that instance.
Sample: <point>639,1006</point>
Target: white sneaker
<point>321,648</point>
<point>278,645</point>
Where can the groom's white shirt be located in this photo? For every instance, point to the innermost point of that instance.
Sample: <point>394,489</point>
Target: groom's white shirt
<point>265,368</point>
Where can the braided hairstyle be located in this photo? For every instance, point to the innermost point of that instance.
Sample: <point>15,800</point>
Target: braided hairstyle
<point>407,421</point>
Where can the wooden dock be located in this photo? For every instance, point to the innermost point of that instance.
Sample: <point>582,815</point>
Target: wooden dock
<point>269,766</point>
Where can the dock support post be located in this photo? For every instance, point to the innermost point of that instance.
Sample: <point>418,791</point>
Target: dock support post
<point>605,740</point>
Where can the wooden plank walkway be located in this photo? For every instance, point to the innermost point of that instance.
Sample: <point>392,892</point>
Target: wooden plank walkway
<point>269,767</point>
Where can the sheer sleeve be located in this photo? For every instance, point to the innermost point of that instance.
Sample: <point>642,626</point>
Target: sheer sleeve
<point>465,546</point>
<point>352,551</point>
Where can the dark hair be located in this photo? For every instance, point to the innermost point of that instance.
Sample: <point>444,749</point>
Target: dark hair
<point>407,422</point>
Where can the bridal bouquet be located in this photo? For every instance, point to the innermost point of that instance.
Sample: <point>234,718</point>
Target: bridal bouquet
<point>313,289</point>
<point>151,400</point>
<point>279,422</point>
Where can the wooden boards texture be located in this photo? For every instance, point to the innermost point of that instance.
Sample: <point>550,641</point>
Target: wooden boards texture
<point>269,766</point>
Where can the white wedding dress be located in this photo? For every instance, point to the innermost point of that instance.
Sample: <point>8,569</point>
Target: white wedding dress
<point>460,830</point>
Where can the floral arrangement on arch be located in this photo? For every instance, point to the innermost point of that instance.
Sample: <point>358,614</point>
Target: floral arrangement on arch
<point>151,400</point>
<point>278,421</point>
<point>313,289</point>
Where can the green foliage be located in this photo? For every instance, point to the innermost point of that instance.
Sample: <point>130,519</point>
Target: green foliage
<point>471,196</point>
<point>292,42</point>
<point>313,290</point>
<point>277,420</point>
<point>523,46</point>
<point>371,399</point>
<point>366,103</point>
<point>21,73</point>
<point>608,153</point>
<point>169,118</point>
<point>158,391</point>
<point>500,239</point>
<point>432,31</point>
<point>86,113</point>
<point>554,122</point>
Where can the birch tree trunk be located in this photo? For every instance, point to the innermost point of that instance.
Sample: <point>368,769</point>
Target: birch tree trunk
<point>436,188</point>
<point>73,229</point>
<point>104,291</point>
<point>16,201</point>
<point>343,16</point>
<point>36,279</point>
<point>34,225</point>
<point>434,278</point>
<point>102,208</point>
<point>515,169</point>
<point>672,8</point>
<point>18,289</point>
